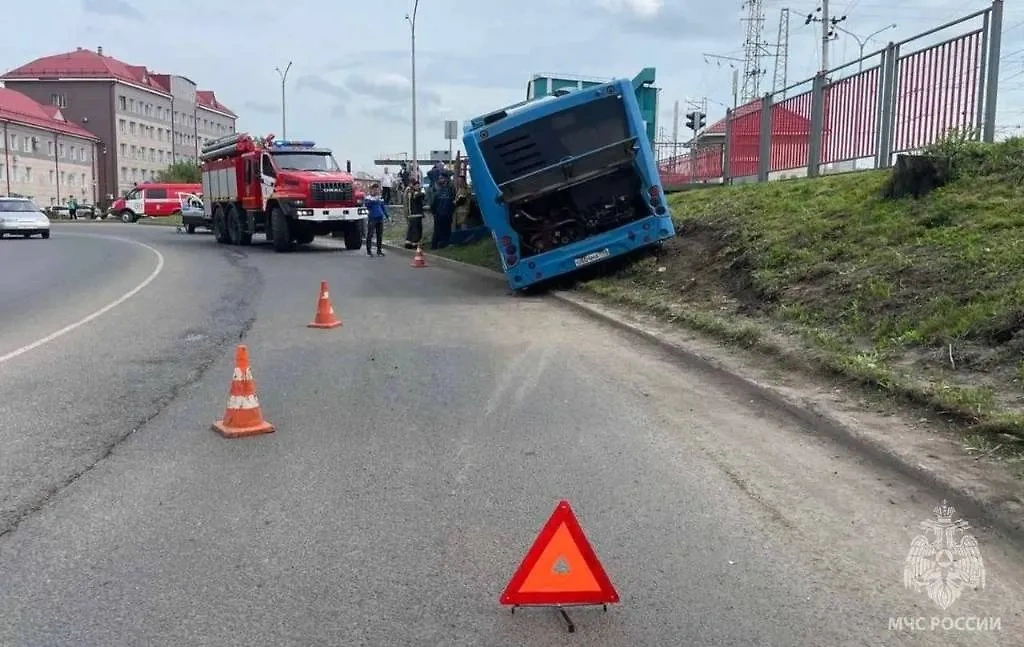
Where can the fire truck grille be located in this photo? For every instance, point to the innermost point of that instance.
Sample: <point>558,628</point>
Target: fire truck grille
<point>331,192</point>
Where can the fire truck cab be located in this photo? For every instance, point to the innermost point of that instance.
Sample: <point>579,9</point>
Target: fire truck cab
<point>291,191</point>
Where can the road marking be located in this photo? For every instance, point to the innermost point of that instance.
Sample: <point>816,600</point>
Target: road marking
<point>102,311</point>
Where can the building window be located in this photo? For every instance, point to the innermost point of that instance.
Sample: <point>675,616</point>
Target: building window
<point>122,125</point>
<point>63,178</point>
<point>52,177</point>
<point>124,150</point>
<point>28,174</point>
<point>124,173</point>
<point>131,105</point>
<point>62,155</point>
<point>84,154</point>
<point>83,179</point>
<point>59,100</point>
<point>131,127</point>
<point>49,148</point>
<point>122,103</point>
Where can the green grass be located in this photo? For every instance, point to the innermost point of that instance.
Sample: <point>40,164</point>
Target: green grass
<point>881,292</point>
<point>481,253</point>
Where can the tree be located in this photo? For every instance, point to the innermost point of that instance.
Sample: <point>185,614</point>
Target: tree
<point>181,173</point>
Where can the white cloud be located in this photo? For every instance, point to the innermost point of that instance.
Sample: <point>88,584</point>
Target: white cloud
<point>642,8</point>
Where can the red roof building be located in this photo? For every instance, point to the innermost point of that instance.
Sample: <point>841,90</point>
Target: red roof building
<point>144,121</point>
<point>45,156</point>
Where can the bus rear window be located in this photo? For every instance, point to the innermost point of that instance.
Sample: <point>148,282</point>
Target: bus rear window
<point>553,137</point>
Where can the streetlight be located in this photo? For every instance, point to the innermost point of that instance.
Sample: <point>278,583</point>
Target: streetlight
<point>412,25</point>
<point>284,77</point>
<point>862,43</point>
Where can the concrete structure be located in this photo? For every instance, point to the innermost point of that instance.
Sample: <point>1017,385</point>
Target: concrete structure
<point>45,157</point>
<point>144,121</point>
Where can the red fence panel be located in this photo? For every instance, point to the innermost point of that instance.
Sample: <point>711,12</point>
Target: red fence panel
<point>850,119</point>
<point>936,91</point>
<point>791,133</point>
<point>699,165</point>
<point>744,140</point>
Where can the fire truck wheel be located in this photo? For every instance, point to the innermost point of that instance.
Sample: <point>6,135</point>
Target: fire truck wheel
<point>220,230</point>
<point>282,236</point>
<point>234,226</point>
<point>353,236</point>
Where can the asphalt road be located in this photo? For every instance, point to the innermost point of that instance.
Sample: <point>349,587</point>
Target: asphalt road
<point>419,448</point>
<point>81,366</point>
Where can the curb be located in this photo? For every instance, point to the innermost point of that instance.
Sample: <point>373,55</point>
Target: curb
<point>998,511</point>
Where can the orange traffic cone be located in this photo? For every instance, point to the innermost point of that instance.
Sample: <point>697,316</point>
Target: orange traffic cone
<point>418,260</point>
<point>243,416</point>
<point>324,310</point>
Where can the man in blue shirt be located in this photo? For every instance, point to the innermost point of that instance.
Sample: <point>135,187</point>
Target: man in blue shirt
<point>376,212</point>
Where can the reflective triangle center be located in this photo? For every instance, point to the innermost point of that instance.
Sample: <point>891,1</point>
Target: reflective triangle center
<point>560,568</point>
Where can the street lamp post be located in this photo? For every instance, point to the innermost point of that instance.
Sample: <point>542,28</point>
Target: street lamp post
<point>284,78</point>
<point>862,42</point>
<point>412,25</point>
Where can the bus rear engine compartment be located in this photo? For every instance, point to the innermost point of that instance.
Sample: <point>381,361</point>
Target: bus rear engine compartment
<point>565,216</point>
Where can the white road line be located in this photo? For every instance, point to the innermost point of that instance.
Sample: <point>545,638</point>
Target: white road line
<point>102,311</point>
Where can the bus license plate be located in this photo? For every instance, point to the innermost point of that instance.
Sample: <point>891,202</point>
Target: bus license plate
<point>593,257</point>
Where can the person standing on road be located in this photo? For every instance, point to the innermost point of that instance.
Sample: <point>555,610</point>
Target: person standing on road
<point>442,205</point>
<point>73,208</point>
<point>376,212</point>
<point>387,182</point>
<point>414,202</point>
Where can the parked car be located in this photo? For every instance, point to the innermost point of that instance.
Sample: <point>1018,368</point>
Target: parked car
<point>61,212</point>
<point>22,217</point>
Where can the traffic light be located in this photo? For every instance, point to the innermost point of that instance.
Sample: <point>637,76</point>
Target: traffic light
<point>695,120</point>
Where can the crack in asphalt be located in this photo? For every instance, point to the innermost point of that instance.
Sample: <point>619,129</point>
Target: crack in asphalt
<point>230,322</point>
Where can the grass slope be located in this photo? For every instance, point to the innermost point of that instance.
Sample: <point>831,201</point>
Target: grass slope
<point>923,298</point>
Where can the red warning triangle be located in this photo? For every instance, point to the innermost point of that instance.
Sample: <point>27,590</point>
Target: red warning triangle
<point>560,568</point>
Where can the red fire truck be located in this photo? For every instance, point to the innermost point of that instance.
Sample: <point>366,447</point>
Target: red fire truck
<point>292,191</point>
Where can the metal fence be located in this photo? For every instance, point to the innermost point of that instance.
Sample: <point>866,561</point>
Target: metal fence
<point>903,101</point>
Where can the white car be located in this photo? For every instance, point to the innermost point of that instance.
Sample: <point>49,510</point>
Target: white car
<point>21,217</point>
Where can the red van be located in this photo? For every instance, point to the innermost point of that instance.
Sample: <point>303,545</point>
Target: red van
<point>153,200</point>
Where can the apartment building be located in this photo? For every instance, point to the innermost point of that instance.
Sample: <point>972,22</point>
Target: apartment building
<point>145,121</point>
<point>45,157</point>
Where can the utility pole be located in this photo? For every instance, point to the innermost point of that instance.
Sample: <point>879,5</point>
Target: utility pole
<point>828,24</point>
<point>825,32</point>
<point>284,79</point>
<point>412,26</point>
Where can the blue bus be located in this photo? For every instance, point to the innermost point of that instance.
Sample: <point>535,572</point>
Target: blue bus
<point>566,180</point>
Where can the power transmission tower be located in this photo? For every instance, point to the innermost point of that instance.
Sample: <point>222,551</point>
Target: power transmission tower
<point>781,54</point>
<point>754,47</point>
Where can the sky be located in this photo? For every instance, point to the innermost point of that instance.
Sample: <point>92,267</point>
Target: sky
<point>349,84</point>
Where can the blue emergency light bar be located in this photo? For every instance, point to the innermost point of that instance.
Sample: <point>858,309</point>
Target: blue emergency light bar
<point>288,143</point>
